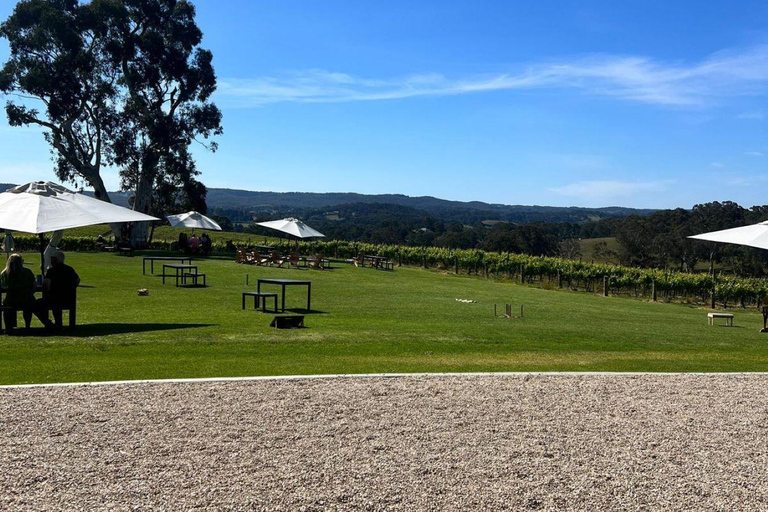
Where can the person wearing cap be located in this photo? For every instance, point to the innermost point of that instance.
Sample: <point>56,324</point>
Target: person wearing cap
<point>59,289</point>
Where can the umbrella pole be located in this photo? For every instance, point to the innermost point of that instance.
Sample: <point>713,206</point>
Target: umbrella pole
<point>42,253</point>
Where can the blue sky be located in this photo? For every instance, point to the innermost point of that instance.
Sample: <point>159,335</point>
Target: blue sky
<point>655,104</point>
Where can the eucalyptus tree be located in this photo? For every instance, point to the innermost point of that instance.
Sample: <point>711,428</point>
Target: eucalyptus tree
<point>167,79</point>
<point>116,82</point>
<point>57,78</point>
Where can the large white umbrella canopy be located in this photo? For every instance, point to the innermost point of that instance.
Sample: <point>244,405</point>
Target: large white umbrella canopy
<point>41,207</point>
<point>755,235</point>
<point>291,226</point>
<point>193,220</point>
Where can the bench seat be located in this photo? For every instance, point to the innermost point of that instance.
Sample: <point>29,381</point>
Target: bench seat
<point>727,316</point>
<point>261,297</point>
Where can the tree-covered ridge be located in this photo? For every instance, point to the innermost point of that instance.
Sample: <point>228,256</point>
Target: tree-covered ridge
<point>245,201</point>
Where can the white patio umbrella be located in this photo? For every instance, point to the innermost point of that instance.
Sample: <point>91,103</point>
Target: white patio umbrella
<point>193,220</point>
<point>40,207</point>
<point>755,235</point>
<point>291,226</point>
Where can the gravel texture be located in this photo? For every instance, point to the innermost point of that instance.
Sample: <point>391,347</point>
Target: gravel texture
<point>675,442</point>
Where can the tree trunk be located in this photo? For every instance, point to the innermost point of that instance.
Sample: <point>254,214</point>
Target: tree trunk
<point>143,200</point>
<point>101,193</point>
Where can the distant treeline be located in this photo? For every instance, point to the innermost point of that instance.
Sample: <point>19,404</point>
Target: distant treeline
<point>657,240</point>
<point>249,203</point>
<point>660,240</point>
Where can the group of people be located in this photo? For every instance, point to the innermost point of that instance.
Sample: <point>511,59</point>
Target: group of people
<point>59,289</point>
<point>193,245</point>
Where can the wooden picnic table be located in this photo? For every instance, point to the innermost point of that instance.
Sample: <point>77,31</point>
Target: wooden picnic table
<point>306,260</point>
<point>179,271</point>
<point>376,261</point>
<point>287,282</point>
<point>153,259</point>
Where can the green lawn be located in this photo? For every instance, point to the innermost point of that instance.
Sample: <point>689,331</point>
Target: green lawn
<point>363,321</point>
<point>169,234</point>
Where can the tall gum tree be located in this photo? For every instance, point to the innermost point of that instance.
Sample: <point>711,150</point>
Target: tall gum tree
<point>58,79</point>
<point>168,81</point>
<point>117,82</point>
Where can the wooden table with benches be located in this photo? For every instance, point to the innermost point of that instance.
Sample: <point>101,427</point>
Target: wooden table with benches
<point>181,273</point>
<point>287,282</point>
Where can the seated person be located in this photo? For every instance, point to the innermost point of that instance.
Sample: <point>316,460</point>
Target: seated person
<point>18,283</point>
<point>205,244</point>
<point>183,242</point>
<point>59,290</point>
<point>193,243</point>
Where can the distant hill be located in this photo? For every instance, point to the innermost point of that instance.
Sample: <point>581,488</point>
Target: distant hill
<point>242,205</point>
<point>468,212</point>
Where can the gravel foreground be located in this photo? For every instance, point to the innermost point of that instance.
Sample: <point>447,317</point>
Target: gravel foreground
<point>675,442</point>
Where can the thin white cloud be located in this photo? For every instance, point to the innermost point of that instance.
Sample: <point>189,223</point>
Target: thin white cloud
<point>609,190</point>
<point>639,79</point>
<point>754,153</point>
<point>717,165</point>
<point>753,115</point>
<point>747,181</point>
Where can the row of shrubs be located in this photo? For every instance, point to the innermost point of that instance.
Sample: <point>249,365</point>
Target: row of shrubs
<point>531,269</point>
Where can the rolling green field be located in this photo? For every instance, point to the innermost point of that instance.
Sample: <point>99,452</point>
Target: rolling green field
<point>363,320</point>
<point>587,248</point>
<point>169,234</point>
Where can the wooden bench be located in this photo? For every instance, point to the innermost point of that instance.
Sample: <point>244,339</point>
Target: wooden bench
<point>57,315</point>
<point>728,318</point>
<point>193,277</point>
<point>11,309</point>
<point>260,297</point>
<point>125,251</point>
<point>287,322</point>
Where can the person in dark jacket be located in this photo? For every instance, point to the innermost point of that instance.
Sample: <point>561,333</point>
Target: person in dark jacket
<point>18,283</point>
<point>205,244</point>
<point>183,242</point>
<point>59,290</point>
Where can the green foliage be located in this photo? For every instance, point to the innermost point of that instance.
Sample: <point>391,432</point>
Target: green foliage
<point>123,83</point>
<point>168,80</point>
<point>56,58</point>
<point>660,240</point>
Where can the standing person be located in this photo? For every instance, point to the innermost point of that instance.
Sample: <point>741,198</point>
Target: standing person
<point>18,283</point>
<point>59,290</point>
